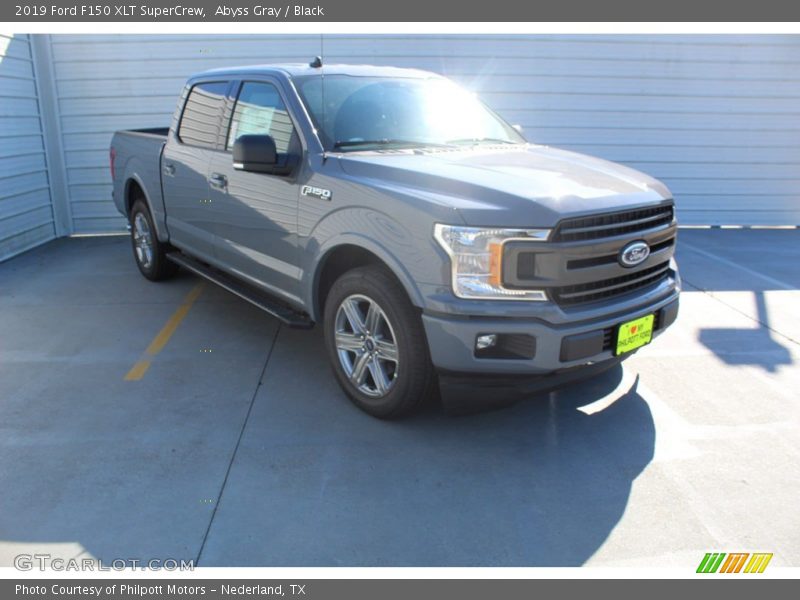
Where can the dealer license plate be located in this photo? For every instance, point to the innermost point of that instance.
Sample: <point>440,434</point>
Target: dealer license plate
<point>635,334</point>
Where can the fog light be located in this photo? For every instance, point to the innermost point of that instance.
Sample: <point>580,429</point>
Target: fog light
<point>486,341</point>
<point>509,346</point>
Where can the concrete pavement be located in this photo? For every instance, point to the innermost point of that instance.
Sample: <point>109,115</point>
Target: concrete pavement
<point>237,448</point>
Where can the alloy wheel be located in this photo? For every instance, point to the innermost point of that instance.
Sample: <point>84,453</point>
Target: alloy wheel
<point>142,241</point>
<point>366,345</point>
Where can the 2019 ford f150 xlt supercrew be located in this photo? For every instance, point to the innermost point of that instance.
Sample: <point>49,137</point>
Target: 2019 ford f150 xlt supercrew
<point>434,244</point>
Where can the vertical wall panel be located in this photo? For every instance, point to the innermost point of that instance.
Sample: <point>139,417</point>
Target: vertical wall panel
<point>716,117</point>
<point>26,216</point>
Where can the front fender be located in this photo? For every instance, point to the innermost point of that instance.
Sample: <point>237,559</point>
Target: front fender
<point>410,254</point>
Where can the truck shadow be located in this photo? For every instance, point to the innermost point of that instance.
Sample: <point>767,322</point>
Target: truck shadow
<point>542,483</point>
<point>561,481</point>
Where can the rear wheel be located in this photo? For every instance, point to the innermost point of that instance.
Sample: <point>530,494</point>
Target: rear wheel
<point>376,343</point>
<point>149,253</point>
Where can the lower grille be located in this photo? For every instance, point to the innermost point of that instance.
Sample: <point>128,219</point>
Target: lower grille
<point>608,338</point>
<point>610,333</point>
<point>609,288</point>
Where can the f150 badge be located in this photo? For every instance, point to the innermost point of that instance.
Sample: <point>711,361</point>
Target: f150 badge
<point>633,254</point>
<point>321,193</point>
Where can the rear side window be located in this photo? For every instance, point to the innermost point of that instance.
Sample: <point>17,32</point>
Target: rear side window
<point>260,110</point>
<point>199,124</point>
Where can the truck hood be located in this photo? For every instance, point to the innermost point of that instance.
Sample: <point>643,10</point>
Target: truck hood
<point>529,186</point>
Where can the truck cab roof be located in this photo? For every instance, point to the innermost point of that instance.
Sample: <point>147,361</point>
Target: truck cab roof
<point>292,70</point>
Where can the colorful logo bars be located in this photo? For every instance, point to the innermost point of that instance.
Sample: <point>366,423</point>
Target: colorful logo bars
<point>734,562</point>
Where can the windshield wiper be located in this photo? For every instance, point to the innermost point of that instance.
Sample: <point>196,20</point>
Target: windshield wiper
<point>385,142</point>
<point>484,140</point>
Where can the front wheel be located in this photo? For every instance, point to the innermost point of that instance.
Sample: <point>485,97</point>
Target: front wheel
<point>376,343</point>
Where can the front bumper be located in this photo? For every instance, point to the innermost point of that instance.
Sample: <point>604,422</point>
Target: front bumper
<point>451,340</point>
<point>464,393</point>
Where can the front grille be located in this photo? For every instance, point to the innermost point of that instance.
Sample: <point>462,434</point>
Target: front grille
<point>607,259</point>
<point>609,288</point>
<point>612,224</point>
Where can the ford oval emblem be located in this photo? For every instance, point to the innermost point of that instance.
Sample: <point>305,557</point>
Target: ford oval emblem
<point>634,254</point>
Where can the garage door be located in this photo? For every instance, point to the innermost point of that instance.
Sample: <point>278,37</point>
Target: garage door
<point>715,117</point>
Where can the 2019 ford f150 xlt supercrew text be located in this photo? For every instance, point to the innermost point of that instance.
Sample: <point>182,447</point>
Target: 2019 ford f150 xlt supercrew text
<point>431,241</point>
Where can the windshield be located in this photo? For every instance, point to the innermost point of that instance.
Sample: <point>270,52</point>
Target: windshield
<point>363,113</point>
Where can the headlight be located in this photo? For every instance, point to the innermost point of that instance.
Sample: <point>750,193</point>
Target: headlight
<point>476,255</point>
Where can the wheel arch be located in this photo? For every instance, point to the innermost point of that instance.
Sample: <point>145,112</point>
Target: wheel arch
<point>133,183</point>
<point>132,186</point>
<point>348,253</point>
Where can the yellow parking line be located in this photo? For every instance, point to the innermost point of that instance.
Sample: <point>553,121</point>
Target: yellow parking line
<point>162,337</point>
<point>138,370</point>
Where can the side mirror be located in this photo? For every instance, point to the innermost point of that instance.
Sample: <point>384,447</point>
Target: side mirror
<point>255,153</point>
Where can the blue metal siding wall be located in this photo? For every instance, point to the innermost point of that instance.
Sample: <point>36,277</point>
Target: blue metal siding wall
<point>716,117</point>
<point>26,216</point>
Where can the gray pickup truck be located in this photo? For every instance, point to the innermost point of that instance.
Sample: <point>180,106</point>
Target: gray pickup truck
<point>438,248</point>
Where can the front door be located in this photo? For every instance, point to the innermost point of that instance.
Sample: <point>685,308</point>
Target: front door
<point>256,213</point>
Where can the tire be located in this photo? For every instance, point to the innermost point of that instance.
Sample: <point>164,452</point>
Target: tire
<point>148,252</point>
<point>385,370</point>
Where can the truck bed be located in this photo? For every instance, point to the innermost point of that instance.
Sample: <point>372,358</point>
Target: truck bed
<point>139,151</point>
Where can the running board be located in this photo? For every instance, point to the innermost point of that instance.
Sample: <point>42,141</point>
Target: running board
<point>247,292</point>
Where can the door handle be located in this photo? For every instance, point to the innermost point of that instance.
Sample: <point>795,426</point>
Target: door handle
<point>218,180</point>
<point>169,169</point>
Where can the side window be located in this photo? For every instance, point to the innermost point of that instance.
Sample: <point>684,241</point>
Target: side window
<point>260,110</point>
<point>199,124</point>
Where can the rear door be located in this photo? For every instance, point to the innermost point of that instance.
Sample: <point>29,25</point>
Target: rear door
<point>256,213</point>
<point>184,169</point>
